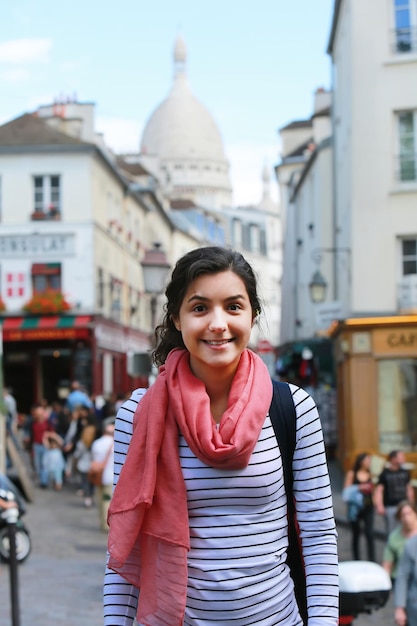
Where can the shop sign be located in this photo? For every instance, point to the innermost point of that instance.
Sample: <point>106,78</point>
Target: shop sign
<point>37,245</point>
<point>45,334</point>
<point>400,341</point>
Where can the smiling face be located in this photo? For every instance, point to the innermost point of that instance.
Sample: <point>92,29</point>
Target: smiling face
<point>215,320</point>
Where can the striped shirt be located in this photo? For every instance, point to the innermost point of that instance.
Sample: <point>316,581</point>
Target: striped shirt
<point>238,532</point>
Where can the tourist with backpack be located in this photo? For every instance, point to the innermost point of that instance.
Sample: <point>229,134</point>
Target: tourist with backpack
<point>198,521</point>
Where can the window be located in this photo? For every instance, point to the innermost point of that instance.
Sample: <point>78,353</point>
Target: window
<point>397,401</point>
<point>409,256</point>
<point>100,288</point>
<point>237,233</point>
<point>407,125</point>
<point>46,276</point>
<point>254,238</point>
<point>47,195</point>
<point>405,29</point>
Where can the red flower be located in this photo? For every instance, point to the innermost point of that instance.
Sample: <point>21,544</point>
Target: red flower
<point>48,301</point>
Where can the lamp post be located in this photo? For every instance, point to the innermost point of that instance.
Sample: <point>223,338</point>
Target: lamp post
<point>318,284</point>
<point>317,287</point>
<point>155,270</point>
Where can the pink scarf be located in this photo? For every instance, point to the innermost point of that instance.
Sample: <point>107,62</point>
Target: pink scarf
<point>148,516</point>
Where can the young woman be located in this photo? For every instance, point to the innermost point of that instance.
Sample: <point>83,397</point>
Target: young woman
<point>360,476</point>
<point>198,517</point>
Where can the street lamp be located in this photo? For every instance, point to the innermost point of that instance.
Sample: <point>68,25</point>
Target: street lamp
<point>318,287</point>
<point>318,284</point>
<point>155,270</point>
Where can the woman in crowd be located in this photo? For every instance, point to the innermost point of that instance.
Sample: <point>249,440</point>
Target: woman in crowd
<point>198,518</point>
<point>358,490</point>
<point>394,547</point>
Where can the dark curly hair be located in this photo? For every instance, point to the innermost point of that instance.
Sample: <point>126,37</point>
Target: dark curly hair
<point>206,260</point>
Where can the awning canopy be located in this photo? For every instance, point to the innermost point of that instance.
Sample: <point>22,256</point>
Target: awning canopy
<point>45,327</point>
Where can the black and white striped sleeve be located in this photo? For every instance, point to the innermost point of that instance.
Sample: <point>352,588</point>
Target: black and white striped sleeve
<point>120,598</point>
<point>314,506</point>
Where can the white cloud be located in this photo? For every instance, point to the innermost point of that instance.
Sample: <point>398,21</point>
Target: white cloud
<point>25,51</point>
<point>120,134</point>
<point>247,162</point>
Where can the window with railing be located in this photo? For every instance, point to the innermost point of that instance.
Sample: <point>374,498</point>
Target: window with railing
<point>407,159</point>
<point>405,31</point>
<point>47,197</point>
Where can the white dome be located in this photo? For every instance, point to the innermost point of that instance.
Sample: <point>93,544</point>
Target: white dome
<point>183,136</point>
<point>181,127</point>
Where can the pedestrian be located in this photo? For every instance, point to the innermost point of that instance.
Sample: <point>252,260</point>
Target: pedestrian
<point>358,486</point>
<point>406,528</point>
<point>39,425</point>
<point>405,592</point>
<point>198,518</point>
<point>394,485</point>
<point>77,397</point>
<point>11,410</point>
<point>59,418</point>
<point>102,452</point>
<point>83,455</point>
<point>53,459</point>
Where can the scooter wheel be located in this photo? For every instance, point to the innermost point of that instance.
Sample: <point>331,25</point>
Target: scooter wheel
<point>23,544</point>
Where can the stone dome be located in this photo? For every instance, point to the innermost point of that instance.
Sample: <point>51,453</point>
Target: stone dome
<point>184,139</point>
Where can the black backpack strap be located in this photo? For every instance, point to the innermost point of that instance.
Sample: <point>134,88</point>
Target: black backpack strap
<point>283,418</point>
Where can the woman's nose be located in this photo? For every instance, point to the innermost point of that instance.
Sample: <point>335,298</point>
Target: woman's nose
<point>218,321</point>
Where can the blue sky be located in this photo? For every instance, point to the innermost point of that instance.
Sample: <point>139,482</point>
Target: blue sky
<point>254,65</point>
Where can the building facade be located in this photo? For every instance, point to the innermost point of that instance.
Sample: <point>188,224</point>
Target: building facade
<point>351,225</point>
<point>73,226</point>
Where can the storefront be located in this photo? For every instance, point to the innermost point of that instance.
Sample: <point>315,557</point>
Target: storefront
<point>42,354</point>
<point>376,371</point>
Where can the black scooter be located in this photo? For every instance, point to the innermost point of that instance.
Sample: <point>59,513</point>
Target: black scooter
<point>9,492</point>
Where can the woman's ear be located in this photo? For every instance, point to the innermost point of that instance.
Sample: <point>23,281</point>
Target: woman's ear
<point>176,323</point>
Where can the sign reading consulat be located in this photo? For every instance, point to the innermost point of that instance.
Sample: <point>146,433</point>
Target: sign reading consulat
<point>37,245</point>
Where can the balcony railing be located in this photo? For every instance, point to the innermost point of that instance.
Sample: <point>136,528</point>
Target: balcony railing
<point>406,168</point>
<point>404,40</point>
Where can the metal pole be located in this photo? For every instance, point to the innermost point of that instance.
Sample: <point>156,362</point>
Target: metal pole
<point>12,515</point>
<point>2,411</point>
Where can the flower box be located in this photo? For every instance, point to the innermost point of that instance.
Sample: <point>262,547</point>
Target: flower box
<point>48,301</point>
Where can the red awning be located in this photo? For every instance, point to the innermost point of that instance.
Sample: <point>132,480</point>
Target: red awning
<point>45,327</point>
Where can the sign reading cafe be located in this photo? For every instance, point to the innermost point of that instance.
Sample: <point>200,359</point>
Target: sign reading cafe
<point>37,245</point>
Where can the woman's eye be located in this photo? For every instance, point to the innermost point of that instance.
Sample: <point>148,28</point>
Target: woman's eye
<point>199,308</point>
<point>235,307</point>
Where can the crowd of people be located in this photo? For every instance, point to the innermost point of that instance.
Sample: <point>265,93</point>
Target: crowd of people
<point>391,496</point>
<point>62,440</point>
